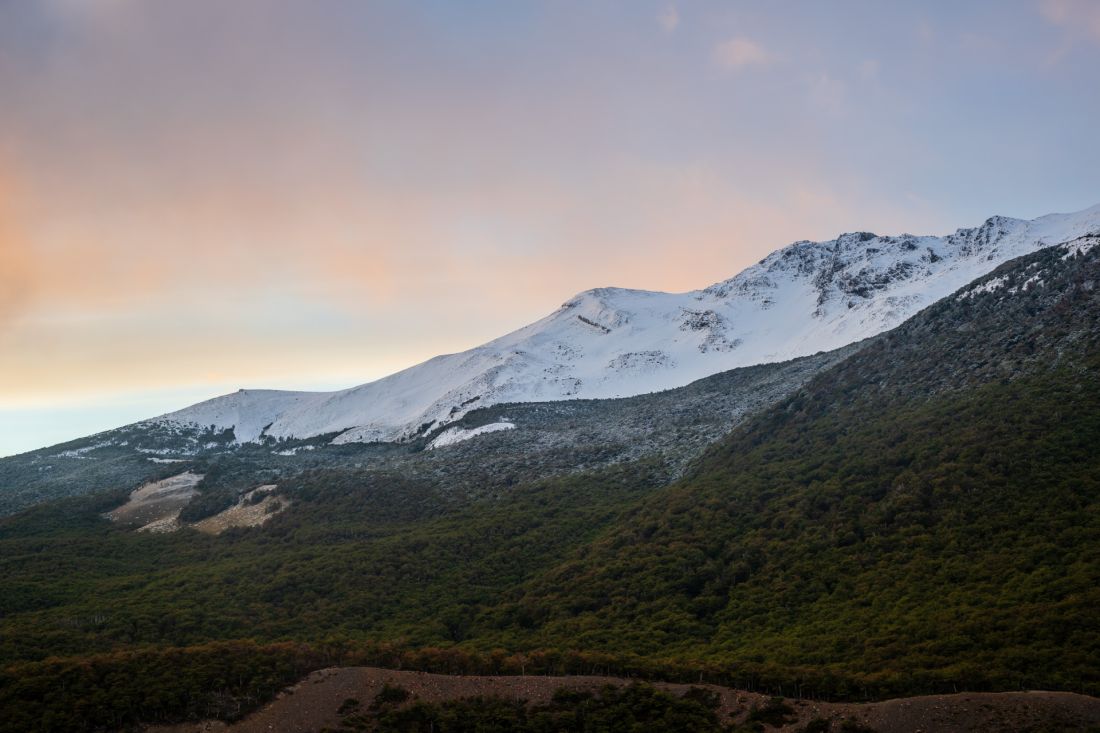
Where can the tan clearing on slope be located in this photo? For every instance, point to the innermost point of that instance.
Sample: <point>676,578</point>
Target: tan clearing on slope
<point>245,513</point>
<point>155,506</point>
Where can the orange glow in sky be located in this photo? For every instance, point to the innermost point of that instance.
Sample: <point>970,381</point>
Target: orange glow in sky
<point>198,196</point>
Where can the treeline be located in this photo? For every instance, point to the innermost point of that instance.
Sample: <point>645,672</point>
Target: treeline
<point>120,690</point>
<point>228,680</point>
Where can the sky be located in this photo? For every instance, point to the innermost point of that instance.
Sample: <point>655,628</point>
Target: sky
<point>198,196</point>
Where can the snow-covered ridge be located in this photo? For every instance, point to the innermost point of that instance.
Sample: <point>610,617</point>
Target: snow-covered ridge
<point>613,342</point>
<point>1033,276</point>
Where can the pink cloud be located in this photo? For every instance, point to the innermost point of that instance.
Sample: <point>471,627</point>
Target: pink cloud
<point>828,94</point>
<point>669,18</point>
<point>739,53</point>
<point>1079,17</point>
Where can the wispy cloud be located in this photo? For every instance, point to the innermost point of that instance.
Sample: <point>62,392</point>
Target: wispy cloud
<point>828,94</point>
<point>740,52</point>
<point>1080,17</point>
<point>669,18</point>
<point>868,69</point>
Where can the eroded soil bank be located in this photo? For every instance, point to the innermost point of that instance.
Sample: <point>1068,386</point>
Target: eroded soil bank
<point>313,704</point>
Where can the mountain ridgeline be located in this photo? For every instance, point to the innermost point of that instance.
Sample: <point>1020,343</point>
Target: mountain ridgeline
<point>916,512</point>
<point>612,342</point>
<point>804,299</point>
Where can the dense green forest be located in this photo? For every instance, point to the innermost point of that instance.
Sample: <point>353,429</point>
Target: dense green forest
<point>924,516</point>
<point>908,550</point>
<point>118,691</point>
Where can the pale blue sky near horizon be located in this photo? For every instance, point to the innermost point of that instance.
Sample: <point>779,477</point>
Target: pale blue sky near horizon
<point>197,196</point>
<point>51,425</point>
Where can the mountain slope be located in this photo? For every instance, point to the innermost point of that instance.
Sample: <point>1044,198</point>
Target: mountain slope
<point>546,439</point>
<point>926,513</point>
<point>610,342</point>
<point>929,501</point>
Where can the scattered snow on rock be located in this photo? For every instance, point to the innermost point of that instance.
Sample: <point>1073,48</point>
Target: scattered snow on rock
<point>1080,246</point>
<point>79,452</point>
<point>994,283</point>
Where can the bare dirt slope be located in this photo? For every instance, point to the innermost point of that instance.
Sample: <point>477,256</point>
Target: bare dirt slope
<point>155,505</point>
<point>312,704</point>
<point>249,511</point>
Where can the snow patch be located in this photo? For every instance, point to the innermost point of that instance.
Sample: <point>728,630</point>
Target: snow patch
<point>450,436</point>
<point>79,452</point>
<point>988,286</point>
<point>1034,281</point>
<point>293,451</point>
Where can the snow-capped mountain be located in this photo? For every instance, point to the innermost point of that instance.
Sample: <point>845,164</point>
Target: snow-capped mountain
<point>614,342</point>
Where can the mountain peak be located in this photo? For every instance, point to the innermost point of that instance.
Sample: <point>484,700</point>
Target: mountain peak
<point>613,342</point>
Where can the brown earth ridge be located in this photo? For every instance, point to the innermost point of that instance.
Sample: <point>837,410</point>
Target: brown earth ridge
<point>313,704</point>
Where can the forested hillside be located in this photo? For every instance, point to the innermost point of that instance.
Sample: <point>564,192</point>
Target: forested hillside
<point>926,512</point>
<point>922,516</point>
